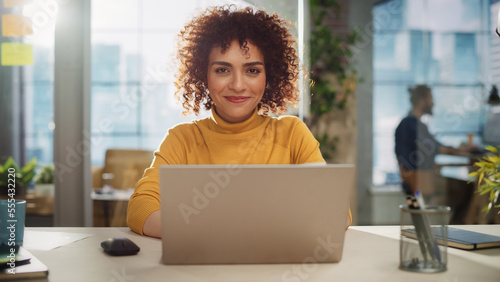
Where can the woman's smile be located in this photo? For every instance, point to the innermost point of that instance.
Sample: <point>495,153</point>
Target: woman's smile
<point>236,99</point>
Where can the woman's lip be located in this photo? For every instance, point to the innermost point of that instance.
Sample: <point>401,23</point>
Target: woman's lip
<point>236,99</point>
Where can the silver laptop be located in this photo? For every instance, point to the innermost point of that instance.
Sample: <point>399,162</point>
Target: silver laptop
<point>226,214</point>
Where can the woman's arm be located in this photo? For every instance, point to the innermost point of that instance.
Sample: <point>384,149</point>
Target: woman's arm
<point>152,225</point>
<point>143,215</point>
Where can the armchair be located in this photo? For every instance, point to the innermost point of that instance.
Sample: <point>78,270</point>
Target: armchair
<point>127,167</point>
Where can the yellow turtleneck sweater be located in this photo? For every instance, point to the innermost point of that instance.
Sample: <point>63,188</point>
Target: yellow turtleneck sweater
<point>258,140</point>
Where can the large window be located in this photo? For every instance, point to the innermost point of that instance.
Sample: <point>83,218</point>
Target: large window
<point>443,44</point>
<point>37,89</point>
<point>132,100</point>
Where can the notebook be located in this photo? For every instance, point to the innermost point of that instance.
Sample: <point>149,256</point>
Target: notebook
<point>27,266</point>
<point>230,214</point>
<point>462,239</point>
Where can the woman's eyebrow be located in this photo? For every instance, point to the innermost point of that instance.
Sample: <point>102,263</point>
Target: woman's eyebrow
<point>245,64</point>
<point>256,63</point>
<point>221,63</point>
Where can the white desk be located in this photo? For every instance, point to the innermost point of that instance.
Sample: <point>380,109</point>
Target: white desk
<point>371,253</point>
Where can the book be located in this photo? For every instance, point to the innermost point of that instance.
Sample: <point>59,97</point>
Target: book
<point>461,239</point>
<point>27,266</point>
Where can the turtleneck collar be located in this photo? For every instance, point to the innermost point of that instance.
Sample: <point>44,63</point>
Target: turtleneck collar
<point>219,125</point>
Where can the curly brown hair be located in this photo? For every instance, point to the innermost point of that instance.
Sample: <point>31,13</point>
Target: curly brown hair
<point>218,27</point>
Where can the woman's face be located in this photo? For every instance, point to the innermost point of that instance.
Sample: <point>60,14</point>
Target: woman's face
<point>236,81</point>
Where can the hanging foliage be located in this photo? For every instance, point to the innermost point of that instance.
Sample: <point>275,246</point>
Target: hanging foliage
<point>331,72</point>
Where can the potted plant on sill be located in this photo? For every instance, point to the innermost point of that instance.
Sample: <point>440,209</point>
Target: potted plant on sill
<point>44,181</point>
<point>488,176</point>
<point>19,179</point>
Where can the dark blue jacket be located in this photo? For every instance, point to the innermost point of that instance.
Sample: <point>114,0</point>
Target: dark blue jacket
<point>415,145</point>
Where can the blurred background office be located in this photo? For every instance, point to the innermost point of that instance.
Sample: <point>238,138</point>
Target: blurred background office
<point>102,81</point>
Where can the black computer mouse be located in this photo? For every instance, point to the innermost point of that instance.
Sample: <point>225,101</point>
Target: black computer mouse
<point>119,246</point>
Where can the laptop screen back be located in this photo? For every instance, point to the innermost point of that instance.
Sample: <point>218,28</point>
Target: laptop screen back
<point>217,214</point>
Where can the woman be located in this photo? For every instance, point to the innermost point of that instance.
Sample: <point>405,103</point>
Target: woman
<point>241,65</point>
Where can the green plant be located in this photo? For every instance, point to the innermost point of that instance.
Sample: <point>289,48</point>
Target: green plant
<point>46,175</point>
<point>488,176</point>
<point>23,176</point>
<point>331,71</point>
<point>327,146</point>
<point>333,79</point>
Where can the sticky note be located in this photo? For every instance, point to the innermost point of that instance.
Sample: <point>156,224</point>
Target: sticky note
<point>16,3</point>
<point>16,25</point>
<point>16,54</point>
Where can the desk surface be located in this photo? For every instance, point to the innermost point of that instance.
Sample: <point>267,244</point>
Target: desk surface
<point>371,253</point>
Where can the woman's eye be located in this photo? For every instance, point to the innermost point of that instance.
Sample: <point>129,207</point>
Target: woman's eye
<point>221,70</point>
<point>254,71</point>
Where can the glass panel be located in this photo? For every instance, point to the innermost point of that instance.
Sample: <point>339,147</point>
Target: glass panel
<point>105,141</point>
<point>38,86</point>
<point>389,15</point>
<point>161,14</point>
<point>27,98</point>
<point>445,51</point>
<point>114,14</point>
<point>391,103</point>
<point>461,15</point>
<point>114,110</point>
<point>114,57</point>
<point>457,109</point>
<point>494,44</point>
<point>157,54</point>
<point>39,125</point>
<point>385,165</point>
<point>161,110</point>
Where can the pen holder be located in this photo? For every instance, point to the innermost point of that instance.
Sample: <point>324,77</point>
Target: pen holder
<point>423,246</point>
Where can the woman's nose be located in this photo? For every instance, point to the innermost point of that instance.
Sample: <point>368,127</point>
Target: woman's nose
<point>237,83</point>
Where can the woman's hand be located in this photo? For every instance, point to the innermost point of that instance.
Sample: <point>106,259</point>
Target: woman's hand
<point>152,225</point>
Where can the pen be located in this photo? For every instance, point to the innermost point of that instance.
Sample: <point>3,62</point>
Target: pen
<point>417,222</point>
<point>420,199</point>
<point>432,246</point>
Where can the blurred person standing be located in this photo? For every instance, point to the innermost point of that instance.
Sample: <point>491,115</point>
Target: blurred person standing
<point>416,147</point>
